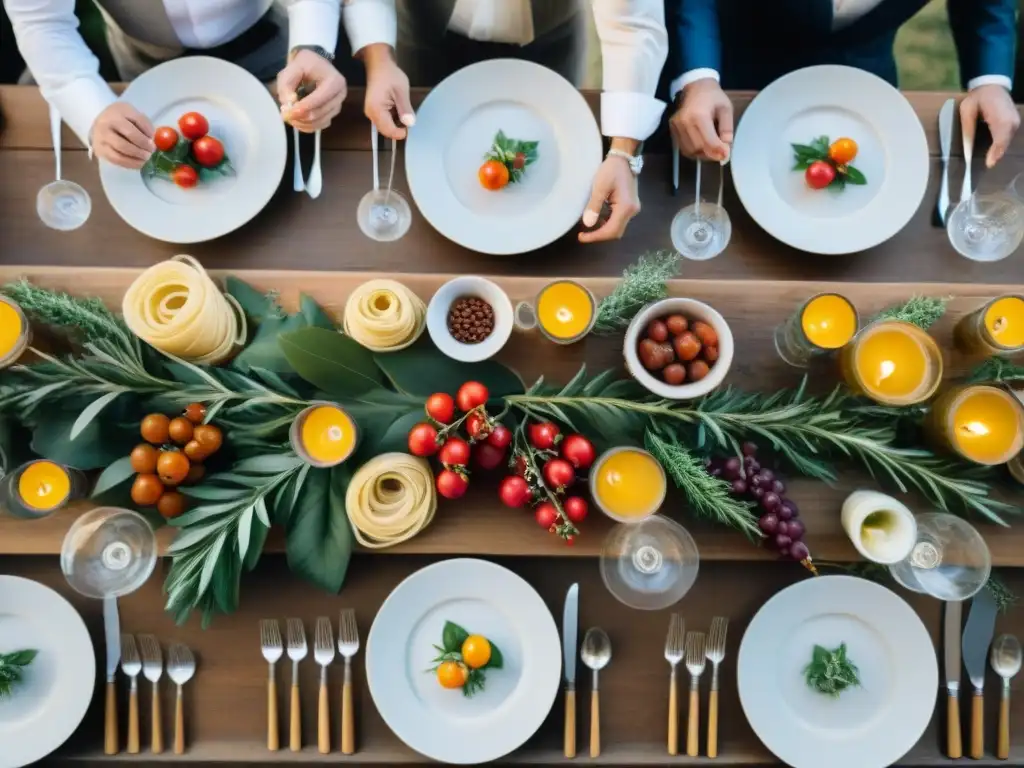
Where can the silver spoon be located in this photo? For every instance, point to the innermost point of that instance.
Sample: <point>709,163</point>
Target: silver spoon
<point>62,204</point>
<point>596,653</point>
<point>1005,658</point>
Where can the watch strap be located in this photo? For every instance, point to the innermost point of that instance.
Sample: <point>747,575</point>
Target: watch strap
<point>317,49</point>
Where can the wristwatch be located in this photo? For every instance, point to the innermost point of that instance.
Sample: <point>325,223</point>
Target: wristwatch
<point>636,162</point>
<point>317,49</point>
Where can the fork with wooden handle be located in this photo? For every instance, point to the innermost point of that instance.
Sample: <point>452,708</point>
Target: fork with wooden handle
<point>715,653</point>
<point>695,666</point>
<point>152,668</point>
<point>273,650</point>
<point>348,646</point>
<point>674,653</point>
<point>323,653</point>
<point>297,650</point>
<point>181,666</point>
<point>131,665</point>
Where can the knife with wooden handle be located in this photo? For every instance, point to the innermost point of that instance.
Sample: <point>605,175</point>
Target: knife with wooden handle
<point>981,624</point>
<point>951,637</point>
<point>570,635</point>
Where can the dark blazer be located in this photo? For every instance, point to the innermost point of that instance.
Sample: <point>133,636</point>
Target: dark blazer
<point>753,42</point>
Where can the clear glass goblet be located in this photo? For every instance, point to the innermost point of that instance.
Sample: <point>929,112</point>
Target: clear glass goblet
<point>383,215</point>
<point>988,226</point>
<point>108,552</point>
<point>949,560</point>
<point>650,564</point>
<point>62,205</point>
<point>702,230</point>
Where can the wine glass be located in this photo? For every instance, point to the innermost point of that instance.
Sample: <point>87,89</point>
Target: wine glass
<point>701,231</point>
<point>108,552</point>
<point>989,226</point>
<point>650,564</point>
<point>949,560</point>
<point>383,214</point>
<point>61,204</point>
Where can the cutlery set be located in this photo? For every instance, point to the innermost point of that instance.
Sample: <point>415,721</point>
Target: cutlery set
<point>294,644</point>
<point>595,653</point>
<point>695,649</point>
<point>946,116</point>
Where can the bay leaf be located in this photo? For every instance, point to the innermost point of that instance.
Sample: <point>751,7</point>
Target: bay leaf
<point>264,351</point>
<point>331,362</point>
<point>422,370</point>
<point>118,473</point>
<point>315,315</point>
<point>319,541</point>
<point>256,304</point>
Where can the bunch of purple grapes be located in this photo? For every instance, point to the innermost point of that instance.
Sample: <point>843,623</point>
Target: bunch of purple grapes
<point>780,519</point>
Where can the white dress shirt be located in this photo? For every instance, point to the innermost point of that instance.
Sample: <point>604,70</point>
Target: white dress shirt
<point>68,73</point>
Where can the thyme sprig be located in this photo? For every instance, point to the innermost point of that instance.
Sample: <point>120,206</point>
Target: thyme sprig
<point>922,311</point>
<point>831,672</point>
<point>642,282</point>
<point>996,370</point>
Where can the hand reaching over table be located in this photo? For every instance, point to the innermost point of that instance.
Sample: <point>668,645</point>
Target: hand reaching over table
<point>316,110</point>
<point>614,184</point>
<point>387,102</point>
<point>995,106</point>
<point>122,135</point>
<point>702,125</point>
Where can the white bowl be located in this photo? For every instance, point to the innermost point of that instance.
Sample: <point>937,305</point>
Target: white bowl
<point>693,310</point>
<point>469,287</point>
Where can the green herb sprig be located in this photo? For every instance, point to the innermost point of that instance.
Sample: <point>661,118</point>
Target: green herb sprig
<point>452,638</point>
<point>12,668</point>
<point>162,164</point>
<point>922,311</point>
<point>1004,597</point>
<point>505,150</point>
<point>996,370</point>
<point>831,672</point>
<point>642,282</point>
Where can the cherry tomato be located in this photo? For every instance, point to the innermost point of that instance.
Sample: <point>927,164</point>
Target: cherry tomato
<point>546,514</point>
<point>519,162</point>
<point>476,651</point>
<point>493,175</point>
<point>423,440</point>
<point>514,491</point>
<point>452,674</point>
<point>471,395</point>
<point>185,176</point>
<point>500,437</point>
<point>578,451</point>
<point>819,174</point>
<point>454,452</point>
<point>165,138</point>
<point>575,509</point>
<point>488,457</point>
<point>208,151</point>
<point>193,125</point>
<point>477,426</point>
<point>440,407</point>
<point>558,474</point>
<point>451,485</point>
<point>842,151</point>
<point>543,436</point>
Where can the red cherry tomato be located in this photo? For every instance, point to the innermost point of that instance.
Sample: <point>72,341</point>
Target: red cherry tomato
<point>545,514</point>
<point>165,138</point>
<point>423,440</point>
<point>454,452</point>
<point>500,437</point>
<point>514,491</point>
<point>451,485</point>
<point>440,407</point>
<point>185,176</point>
<point>193,125</point>
<point>520,161</point>
<point>819,174</point>
<point>578,451</point>
<point>471,395</point>
<point>477,426</point>
<point>558,474</point>
<point>488,457</point>
<point>208,151</point>
<point>575,509</point>
<point>543,436</point>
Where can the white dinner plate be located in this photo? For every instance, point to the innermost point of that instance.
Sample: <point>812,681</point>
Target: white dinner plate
<point>871,726</point>
<point>242,114</point>
<point>455,127</point>
<point>484,599</point>
<point>831,101</point>
<point>50,702</point>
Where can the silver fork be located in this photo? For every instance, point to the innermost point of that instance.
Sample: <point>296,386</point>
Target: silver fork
<point>297,651</point>
<point>323,652</point>
<point>695,665</point>
<point>131,665</point>
<point>348,646</point>
<point>298,183</point>
<point>715,653</point>
<point>153,668</point>
<point>675,652</point>
<point>181,666</point>
<point>273,650</point>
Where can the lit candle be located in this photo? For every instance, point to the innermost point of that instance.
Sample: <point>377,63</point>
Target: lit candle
<point>881,528</point>
<point>982,423</point>
<point>627,484</point>
<point>824,323</point>
<point>892,362</point>
<point>564,310</point>
<point>324,435</point>
<point>14,332</point>
<point>43,486</point>
<point>997,328</point>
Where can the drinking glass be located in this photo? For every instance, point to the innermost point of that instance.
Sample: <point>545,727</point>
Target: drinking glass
<point>949,560</point>
<point>701,230</point>
<point>989,226</point>
<point>383,214</point>
<point>62,205</point>
<point>108,552</point>
<point>650,564</point>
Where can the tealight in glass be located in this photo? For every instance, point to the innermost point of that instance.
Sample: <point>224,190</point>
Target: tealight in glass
<point>824,323</point>
<point>39,488</point>
<point>997,328</point>
<point>15,332</point>
<point>981,423</point>
<point>893,363</point>
<point>324,435</point>
<point>564,311</point>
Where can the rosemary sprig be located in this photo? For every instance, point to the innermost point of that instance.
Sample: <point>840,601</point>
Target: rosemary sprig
<point>642,282</point>
<point>1001,593</point>
<point>831,672</point>
<point>87,319</point>
<point>995,370</point>
<point>922,311</point>
<point>12,667</point>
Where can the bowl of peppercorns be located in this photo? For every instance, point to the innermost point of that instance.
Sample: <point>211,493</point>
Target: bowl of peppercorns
<point>679,349</point>
<point>469,319</point>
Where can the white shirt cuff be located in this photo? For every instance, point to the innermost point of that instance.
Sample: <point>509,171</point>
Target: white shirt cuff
<point>313,23</point>
<point>370,21</point>
<point>80,102</point>
<point>690,77</point>
<point>630,115</point>
<point>1002,80</point>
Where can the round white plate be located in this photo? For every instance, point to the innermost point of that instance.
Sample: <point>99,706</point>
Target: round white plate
<point>484,599</point>
<point>455,127</point>
<point>242,114</point>
<point>46,708</point>
<point>831,101</point>
<point>871,726</point>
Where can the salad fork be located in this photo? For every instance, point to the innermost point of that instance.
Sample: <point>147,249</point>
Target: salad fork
<point>273,650</point>
<point>715,653</point>
<point>181,666</point>
<point>348,646</point>
<point>675,652</point>
<point>297,650</point>
<point>695,665</point>
<point>153,668</point>
<point>323,652</point>
<point>131,665</point>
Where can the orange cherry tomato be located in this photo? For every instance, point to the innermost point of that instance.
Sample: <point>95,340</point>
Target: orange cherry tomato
<point>493,175</point>
<point>165,138</point>
<point>452,674</point>
<point>476,651</point>
<point>842,151</point>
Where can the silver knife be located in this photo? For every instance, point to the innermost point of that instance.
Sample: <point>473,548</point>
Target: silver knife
<point>945,141</point>
<point>951,638</point>
<point>570,633</point>
<point>981,625</point>
<point>112,632</point>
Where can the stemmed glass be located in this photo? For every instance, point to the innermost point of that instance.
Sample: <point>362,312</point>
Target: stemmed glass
<point>649,564</point>
<point>62,204</point>
<point>701,230</point>
<point>383,215</point>
<point>949,560</point>
<point>989,226</point>
<point>108,552</point>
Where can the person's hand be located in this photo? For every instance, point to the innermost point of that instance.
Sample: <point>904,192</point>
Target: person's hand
<point>123,136</point>
<point>614,184</point>
<point>387,92</point>
<point>995,106</point>
<point>315,111</point>
<point>702,125</point>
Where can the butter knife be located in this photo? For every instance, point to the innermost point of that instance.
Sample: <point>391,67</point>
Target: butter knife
<point>112,632</point>
<point>981,625</point>
<point>945,142</point>
<point>951,638</point>
<point>570,634</point>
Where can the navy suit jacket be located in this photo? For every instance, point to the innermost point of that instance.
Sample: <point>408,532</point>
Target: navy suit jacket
<point>753,42</point>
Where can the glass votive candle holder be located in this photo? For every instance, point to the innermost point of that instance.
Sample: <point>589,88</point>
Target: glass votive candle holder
<point>565,311</point>
<point>324,435</point>
<point>40,488</point>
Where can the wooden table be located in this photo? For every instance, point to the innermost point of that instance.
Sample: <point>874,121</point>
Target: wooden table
<point>756,283</point>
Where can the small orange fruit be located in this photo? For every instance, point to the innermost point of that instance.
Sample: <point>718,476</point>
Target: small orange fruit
<point>195,412</point>
<point>143,458</point>
<point>842,151</point>
<point>147,490</point>
<point>155,429</point>
<point>180,430</point>
<point>172,467</point>
<point>209,437</point>
<point>476,651</point>
<point>195,451</point>
<point>195,473</point>
<point>493,175</point>
<point>452,674</point>
<point>171,504</point>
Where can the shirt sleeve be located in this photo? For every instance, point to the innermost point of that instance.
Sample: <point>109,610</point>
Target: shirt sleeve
<point>985,32</point>
<point>634,44</point>
<point>313,22</point>
<point>370,21</point>
<point>694,42</point>
<point>61,63</point>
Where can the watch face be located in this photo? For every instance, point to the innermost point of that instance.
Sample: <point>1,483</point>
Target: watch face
<point>638,164</point>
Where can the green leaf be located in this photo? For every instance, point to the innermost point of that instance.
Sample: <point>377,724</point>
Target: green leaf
<point>853,176</point>
<point>452,637</point>
<point>114,475</point>
<point>90,412</point>
<point>394,438</point>
<point>96,446</point>
<point>257,541</point>
<point>315,315</point>
<point>422,370</point>
<point>245,532</point>
<point>255,304</point>
<point>319,542</point>
<point>19,658</point>
<point>211,561</point>
<point>331,362</point>
<point>268,464</point>
<point>208,492</point>
<point>497,660</point>
<point>265,351</point>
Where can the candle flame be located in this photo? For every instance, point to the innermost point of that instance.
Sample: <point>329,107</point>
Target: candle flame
<point>888,368</point>
<point>334,434</point>
<point>974,428</point>
<point>44,490</point>
<point>563,315</point>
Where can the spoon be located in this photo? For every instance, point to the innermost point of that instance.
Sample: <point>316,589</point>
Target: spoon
<point>596,653</point>
<point>62,205</point>
<point>1006,660</point>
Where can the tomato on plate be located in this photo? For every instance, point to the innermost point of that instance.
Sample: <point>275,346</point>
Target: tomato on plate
<point>842,151</point>
<point>208,151</point>
<point>193,125</point>
<point>819,174</point>
<point>493,175</point>
<point>452,674</point>
<point>476,651</point>
<point>165,138</point>
<point>185,176</point>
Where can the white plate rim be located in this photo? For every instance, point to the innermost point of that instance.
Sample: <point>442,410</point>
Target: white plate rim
<point>496,742</point>
<point>446,105</point>
<point>876,101</point>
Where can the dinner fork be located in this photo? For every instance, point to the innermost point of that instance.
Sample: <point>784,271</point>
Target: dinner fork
<point>695,665</point>
<point>323,652</point>
<point>181,666</point>
<point>153,668</point>
<point>674,653</point>
<point>131,665</point>
<point>298,182</point>
<point>297,651</point>
<point>348,646</point>
<point>273,650</point>
<point>715,653</point>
